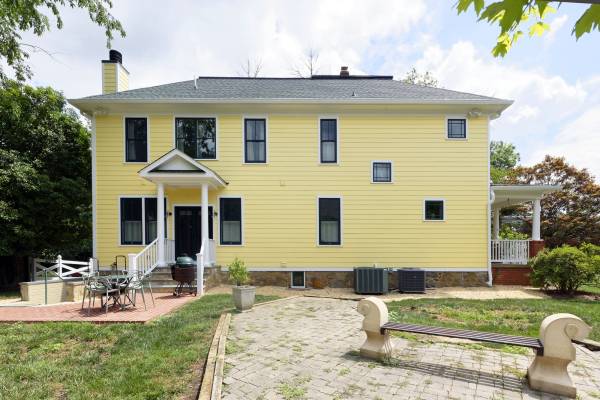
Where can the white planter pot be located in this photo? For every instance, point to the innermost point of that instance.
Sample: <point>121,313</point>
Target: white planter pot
<point>243,297</point>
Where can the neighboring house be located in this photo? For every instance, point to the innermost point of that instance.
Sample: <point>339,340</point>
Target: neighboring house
<point>302,178</point>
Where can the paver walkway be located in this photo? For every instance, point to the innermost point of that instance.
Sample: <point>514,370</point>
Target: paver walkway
<point>306,348</point>
<point>164,303</point>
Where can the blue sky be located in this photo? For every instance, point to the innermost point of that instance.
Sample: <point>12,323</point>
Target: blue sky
<point>554,80</point>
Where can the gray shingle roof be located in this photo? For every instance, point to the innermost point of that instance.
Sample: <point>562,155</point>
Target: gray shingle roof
<point>298,89</point>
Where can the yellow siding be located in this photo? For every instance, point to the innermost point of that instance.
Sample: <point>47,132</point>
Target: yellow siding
<point>109,78</point>
<point>382,223</point>
<point>123,78</point>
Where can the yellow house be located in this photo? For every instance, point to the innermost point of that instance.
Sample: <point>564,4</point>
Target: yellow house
<point>302,178</point>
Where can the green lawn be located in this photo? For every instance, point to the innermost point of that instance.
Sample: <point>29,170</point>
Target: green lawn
<point>590,289</point>
<point>515,317</point>
<point>112,361</point>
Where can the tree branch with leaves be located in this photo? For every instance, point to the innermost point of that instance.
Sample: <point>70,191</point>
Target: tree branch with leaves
<point>512,16</point>
<point>17,17</point>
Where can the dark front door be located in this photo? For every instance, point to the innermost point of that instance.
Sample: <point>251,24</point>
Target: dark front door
<point>188,229</point>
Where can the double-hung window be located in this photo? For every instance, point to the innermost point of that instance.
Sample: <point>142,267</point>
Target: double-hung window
<point>197,137</point>
<point>330,221</point>
<point>255,140</point>
<point>138,220</point>
<point>457,128</point>
<point>328,141</point>
<point>382,172</point>
<point>136,140</point>
<point>230,212</point>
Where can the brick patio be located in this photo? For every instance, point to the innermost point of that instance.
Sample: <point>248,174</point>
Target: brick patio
<point>306,348</point>
<point>164,303</point>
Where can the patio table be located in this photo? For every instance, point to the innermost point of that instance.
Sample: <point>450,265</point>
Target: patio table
<point>121,282</point>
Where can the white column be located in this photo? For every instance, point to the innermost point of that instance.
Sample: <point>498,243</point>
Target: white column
<point>205,214</point>
<point>200,260</point>
<point>496,224</point>
<point>535,225</point>
<point>160,222</point>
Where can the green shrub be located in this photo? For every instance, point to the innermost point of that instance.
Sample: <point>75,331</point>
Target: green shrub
<point>507,232</point>
<point>238,273</point>
<point>563,268</point>
<point>593,252</point>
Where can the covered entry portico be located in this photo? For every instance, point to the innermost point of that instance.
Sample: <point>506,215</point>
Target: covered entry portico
<point>177,170</point>
<point>517,251</point>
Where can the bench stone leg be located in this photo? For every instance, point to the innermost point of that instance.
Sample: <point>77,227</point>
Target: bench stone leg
<point>377,346</point>
<point>548,372</point>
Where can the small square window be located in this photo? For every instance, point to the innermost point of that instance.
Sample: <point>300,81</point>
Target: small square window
<point>457,128</point>
<point>434,210</point>
<point>382,172</point>
<point>298,279</point>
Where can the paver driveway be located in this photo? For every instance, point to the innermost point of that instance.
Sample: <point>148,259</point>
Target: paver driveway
<point>306,348</point>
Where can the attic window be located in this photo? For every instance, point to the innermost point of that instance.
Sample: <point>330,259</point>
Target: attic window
<point>457,128</point>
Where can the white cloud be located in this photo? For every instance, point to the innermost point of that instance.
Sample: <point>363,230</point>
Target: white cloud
<point>578,141</point>
<point>555,25</point>
<point>172,43</point>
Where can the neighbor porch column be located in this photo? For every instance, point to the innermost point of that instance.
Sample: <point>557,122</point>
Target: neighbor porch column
<point>535,225</point>
<point>160,222</point>
<point>496,224</point>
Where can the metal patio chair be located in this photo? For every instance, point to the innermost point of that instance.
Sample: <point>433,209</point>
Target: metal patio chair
<point>137,285</point>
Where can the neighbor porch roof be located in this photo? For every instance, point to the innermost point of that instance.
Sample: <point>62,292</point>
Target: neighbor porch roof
<point>507,195</point>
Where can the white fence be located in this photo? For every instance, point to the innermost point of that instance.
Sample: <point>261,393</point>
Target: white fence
<point>510,251</point>
<point>60,268</point>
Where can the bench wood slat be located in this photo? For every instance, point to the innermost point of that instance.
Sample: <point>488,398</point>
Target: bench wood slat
<point>523,341</point>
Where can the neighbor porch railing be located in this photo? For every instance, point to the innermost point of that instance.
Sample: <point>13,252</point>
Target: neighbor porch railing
<point>61,269</point>
<point>510,251</point>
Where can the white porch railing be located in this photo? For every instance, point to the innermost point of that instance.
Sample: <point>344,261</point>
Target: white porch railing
<point>510,251</point>
<point>201,262</point>
<point>169,251</point>
<point>60,268</point>
<point>146,260</point>
<point>211,255</point>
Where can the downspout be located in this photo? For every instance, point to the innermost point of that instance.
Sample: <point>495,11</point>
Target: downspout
<point>94,206</point>
<point>491,197</point>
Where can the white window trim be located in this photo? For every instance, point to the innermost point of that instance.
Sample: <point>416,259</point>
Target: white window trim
<point>147,117</point>
<point>292,280</point>
<point>244,118</point>
<point>241,224</point>
<point>391,171</point>
<point>462,116</point>
<point>217,142</point>
<point>199,205</point>
<point>136,196</point>
<point>337,139</point>
<point>319,197</point>
<point>443,209</point>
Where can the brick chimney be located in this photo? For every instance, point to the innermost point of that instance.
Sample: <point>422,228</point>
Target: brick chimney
<point>115,78</point>
<point>344,73</point>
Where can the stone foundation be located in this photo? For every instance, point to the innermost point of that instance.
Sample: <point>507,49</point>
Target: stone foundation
<point>345,279</point>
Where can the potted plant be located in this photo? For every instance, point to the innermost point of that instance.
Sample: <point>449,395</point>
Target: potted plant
<point>243,295</point>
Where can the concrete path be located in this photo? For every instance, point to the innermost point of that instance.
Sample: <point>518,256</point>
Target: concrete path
<point>306,348</point>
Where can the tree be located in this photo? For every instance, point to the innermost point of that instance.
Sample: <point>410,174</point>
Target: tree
<point>45,175</point>
<point>309,66</point>
<point>512,15</point>
<point>251,69</point>
<point>422,79</point>
<point>17,17</point>
<point>503,158</point>
<point>572,215</point>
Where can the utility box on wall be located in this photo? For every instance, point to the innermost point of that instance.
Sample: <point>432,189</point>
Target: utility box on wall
<point>371,280</point>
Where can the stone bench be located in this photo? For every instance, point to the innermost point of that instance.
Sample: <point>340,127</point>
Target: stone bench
<point>554,348</point>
